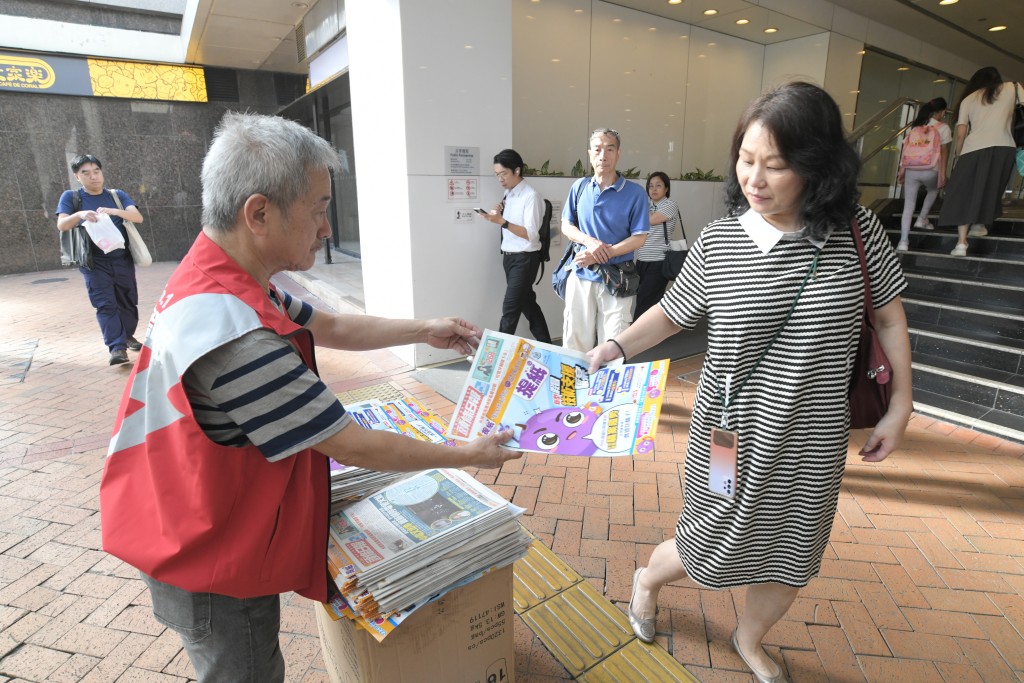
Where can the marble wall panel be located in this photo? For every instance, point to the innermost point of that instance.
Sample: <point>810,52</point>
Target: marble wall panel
<point>17,255</point>
<point>152,150</point>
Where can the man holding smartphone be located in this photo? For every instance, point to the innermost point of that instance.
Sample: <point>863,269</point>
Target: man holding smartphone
<point>519,214</point>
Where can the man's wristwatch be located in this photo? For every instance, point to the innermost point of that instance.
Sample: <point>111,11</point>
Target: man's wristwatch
<point>505,225</point>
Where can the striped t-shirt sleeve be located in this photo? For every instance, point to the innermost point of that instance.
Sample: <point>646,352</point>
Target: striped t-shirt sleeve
<point>256,390</point>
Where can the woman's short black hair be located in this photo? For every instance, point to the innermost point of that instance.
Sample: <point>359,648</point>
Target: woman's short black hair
<point>807,129</point>
<point>83,159</point>
<point>510,159</point>
<point>664,179</point>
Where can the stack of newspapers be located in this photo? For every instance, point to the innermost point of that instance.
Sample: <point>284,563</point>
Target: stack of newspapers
<point>405,416</point>
<point>415,540</point>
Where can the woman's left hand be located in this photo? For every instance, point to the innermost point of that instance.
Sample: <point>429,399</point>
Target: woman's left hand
<point>885,437</point>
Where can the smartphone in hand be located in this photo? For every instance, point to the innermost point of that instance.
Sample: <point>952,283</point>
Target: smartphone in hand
<point>480,211</point>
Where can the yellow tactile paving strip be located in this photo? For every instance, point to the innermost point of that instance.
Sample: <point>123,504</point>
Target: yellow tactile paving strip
<point>383,392</point>
<point>581,628</point>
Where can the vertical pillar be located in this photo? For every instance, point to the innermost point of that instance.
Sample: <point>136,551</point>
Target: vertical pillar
<point>425,76</point>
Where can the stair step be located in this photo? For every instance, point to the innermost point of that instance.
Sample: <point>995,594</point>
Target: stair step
<point>980,295</point>
<point>984,393</point>
<point>973,323</point>
<point>927,345</point>
<point>968,415</point>
<point>937,242</point>
<point>965,268</point>
<point>970,372</point>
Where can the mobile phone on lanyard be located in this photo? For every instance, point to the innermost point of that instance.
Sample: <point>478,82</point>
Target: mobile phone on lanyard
<point>722,474</point>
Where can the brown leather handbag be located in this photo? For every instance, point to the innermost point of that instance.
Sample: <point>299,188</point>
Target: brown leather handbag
<point>870,384</point>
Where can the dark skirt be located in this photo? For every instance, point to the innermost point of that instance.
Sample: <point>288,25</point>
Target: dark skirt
<point>974,193</point>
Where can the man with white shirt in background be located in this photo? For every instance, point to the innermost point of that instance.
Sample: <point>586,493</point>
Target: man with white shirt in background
<point>519,214</point>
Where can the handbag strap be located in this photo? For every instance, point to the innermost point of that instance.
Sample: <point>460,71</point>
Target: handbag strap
<point>869,309</point>
<point>725,400</point>
<point>664,226</point>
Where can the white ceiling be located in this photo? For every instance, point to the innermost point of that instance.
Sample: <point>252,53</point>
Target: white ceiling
<point>259,34</point>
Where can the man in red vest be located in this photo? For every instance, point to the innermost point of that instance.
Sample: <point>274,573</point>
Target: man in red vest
<point>216,483</point>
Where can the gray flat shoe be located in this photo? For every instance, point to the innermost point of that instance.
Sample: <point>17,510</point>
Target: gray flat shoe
<point>778,677</point>
<point>643,628</point>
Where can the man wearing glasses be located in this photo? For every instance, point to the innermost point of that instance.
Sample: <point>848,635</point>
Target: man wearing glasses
<point>519,214</point>
<point>111,279</point>
<point>607,216</point>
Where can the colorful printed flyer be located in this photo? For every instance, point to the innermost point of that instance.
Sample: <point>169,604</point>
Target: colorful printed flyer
<point>545,395</point>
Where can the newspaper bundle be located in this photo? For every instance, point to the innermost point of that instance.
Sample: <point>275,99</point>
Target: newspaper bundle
<point>545,395</point>
<point>415,540</point>
<point>405,416</point>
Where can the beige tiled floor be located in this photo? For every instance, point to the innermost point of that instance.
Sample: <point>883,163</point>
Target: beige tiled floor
<point>923,580</point>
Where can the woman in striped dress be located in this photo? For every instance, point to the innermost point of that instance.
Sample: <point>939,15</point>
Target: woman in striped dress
<point>792,192</point>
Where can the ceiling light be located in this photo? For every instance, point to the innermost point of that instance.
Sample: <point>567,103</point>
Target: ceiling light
<point>742,22</point>
<point>771,30</point>
<point>997,28</point>
<point>939,80</point>
<point>652,29</point>
<point>556,60</point>
<point>710,12</point>
<point>468,47</point>
<point>300,5</point>
<point>675,2</point>
<point>948,2</point>
<point>903,68</point>
<point>616,21</point>
<point>862,52</point>
<point>578,11</point>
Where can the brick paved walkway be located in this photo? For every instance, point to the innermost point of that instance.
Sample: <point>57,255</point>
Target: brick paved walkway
<point>923,580</point>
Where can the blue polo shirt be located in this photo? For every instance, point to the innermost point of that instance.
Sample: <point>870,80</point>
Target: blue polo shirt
<point>611,215</point>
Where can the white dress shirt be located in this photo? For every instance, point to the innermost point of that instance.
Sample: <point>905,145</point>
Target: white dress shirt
<point>523,206</point>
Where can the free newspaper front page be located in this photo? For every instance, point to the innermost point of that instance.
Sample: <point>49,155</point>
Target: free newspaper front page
<point>553,405</point>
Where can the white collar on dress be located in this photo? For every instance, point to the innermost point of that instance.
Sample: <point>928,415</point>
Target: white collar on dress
<point>765,235</point>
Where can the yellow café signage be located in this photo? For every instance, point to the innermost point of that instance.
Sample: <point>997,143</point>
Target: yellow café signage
<point>57,75</point>
<point>27,73</point>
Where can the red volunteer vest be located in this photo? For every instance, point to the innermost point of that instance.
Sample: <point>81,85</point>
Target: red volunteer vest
<point>189,512</point>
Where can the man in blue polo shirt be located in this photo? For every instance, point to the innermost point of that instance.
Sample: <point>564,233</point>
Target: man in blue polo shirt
<point>608,217</point>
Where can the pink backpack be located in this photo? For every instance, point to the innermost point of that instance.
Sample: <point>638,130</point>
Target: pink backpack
<point>921,149</point>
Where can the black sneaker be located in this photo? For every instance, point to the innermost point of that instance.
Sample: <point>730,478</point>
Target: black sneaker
<point>134,344</point>
<point>118,357</point>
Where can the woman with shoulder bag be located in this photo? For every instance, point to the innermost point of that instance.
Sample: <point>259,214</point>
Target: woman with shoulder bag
<point>649,258</point>
<point>780,282</point>
<point>985,151</point>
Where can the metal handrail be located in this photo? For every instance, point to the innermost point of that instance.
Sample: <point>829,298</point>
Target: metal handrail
<point>860,131</point>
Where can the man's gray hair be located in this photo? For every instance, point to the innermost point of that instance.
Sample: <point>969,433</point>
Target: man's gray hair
<point>606,131</point>
<point>256,154</point>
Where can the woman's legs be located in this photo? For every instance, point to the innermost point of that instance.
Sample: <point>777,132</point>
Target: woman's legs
<point>961,245</point>
<point>663,568</point>
<point>910,185</point>
<point>931,185</point>
<point>766,603</point>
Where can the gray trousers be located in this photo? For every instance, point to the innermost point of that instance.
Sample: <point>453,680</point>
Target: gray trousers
<point>227,639</point>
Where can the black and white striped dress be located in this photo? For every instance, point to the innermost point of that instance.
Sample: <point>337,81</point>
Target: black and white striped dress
<point>792,416</point>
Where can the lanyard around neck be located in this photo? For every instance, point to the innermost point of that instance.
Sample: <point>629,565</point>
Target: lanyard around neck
<point>724,395</point>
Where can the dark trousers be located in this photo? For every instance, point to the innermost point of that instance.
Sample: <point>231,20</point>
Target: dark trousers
<point>115,296</point>
<point>652,286</point>
<point>520,272</point>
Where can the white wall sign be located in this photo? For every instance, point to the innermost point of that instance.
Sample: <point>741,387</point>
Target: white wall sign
<point>464,215</point>
<point>462,160</point>
<point>462,188</point>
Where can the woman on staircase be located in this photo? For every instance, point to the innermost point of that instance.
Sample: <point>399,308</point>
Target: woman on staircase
<point>985,151</point>
<point>928,123</point>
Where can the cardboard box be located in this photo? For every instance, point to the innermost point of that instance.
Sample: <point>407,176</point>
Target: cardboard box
<point>465,637</point>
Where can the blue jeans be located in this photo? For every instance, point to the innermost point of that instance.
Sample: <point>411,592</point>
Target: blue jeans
<point>227,639</point>
<point>115,296</point>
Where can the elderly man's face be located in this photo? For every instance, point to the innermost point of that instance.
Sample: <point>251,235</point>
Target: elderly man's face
<point>604,153</point>
<point>303,226</point>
